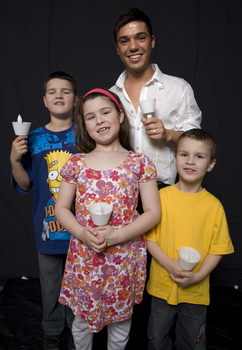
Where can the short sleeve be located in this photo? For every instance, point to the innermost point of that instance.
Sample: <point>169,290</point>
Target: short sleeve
<point>221,242</point>
<point>70,170</point>
<point>151,235</point>
<point>147,169</point>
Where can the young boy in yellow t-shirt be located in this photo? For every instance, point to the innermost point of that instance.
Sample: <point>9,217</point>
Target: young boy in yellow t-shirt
<point>191,217</point>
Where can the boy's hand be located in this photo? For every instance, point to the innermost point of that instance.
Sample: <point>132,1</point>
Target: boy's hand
<point>173,267</point>
<point>19,147</point>
<point>184,279</point>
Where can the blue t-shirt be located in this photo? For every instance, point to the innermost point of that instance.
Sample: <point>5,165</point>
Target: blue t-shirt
<point>47,153</point>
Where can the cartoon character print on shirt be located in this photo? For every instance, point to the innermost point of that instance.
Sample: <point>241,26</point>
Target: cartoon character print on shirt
<point>51,227</point>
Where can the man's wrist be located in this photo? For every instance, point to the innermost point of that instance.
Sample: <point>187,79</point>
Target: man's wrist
<point>172,136</point>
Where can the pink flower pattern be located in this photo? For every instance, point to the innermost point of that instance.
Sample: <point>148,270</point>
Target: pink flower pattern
<point>103,288</point>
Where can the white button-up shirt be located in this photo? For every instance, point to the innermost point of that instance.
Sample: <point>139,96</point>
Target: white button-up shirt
<point>175,106</point>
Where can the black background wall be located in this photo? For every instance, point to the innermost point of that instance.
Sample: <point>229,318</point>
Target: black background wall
<point>200,41</point>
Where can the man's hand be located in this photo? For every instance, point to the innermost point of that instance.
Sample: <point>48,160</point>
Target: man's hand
<point>156,131</point>
<point>155,128</point>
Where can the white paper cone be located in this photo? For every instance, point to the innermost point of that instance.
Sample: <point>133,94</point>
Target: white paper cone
<point>194,256</point>
<point>103,218</point>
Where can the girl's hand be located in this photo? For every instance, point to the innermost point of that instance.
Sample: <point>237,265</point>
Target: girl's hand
<point>92,240</point>
<point>185,279</point>
<point>105,233</point>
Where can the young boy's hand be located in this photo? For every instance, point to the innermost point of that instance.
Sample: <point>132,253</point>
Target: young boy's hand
<point>19,147</point>
<point>173,267</point>
<point>184,279</point>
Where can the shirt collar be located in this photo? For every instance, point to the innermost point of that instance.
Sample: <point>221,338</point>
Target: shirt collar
<point>158,76</point>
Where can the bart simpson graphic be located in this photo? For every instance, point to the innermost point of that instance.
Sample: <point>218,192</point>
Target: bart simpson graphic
<point>51,228</point>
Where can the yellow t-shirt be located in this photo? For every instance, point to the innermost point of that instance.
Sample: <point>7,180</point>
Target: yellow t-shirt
<point>194,220</point>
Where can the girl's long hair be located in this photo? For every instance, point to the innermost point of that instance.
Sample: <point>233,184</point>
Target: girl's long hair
<point>84,142</point>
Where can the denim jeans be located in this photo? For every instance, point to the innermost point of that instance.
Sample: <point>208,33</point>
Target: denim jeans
<point>189,321</point>
<point>55,315</point>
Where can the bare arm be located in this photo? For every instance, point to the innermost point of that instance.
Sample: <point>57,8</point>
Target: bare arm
<point>66,218</point>
<point>19,147</point>
<point>188,278</point>
<point>171,265</point>
<point>151,216</point>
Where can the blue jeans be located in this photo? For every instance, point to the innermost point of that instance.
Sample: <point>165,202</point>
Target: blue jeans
<point>55,315</point>
<point>189,320</point>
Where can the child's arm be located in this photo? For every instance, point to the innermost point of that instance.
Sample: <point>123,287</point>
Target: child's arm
<point>171,265</point>
<point>188,278</point>
<point>151,216</point>
<point>19,147</point>
<point>65,199</point>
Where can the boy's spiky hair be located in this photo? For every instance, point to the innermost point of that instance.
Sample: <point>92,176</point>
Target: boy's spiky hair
<point>199,135</point>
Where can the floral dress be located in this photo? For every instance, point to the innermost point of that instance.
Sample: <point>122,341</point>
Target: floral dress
<point>103,288</point>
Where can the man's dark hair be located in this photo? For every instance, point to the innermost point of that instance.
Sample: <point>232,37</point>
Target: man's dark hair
<point>130,15</point>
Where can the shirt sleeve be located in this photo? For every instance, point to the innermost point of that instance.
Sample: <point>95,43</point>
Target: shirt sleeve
<point>151,235</point>
<point>221,242</point>
<point>147,170</point>
<point>70,170</point>
<point>190,116</point>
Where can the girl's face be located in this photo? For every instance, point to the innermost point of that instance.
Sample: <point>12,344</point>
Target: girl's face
<point>102,120</point>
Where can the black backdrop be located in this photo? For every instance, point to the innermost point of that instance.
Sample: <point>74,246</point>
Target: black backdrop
<point>200,41</point>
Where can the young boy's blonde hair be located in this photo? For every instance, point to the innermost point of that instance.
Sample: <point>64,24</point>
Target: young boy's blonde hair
<point>199,135</point>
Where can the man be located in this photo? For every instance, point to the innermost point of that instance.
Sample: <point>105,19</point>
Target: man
<point>176,108</point>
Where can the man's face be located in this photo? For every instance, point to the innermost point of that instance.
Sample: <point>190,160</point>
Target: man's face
<point>134,46</point>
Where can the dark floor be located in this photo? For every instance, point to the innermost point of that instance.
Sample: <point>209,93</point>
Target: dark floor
<point>21,314</point>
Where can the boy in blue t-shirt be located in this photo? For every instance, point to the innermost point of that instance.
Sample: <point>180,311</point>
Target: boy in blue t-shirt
<point>36,161</point>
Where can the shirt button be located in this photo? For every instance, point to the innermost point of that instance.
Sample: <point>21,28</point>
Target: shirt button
<point>132,111</point>
<point>138,128</point>
<point>137,148</point>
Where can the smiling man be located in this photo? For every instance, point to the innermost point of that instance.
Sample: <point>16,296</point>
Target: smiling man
<point>176,108</point>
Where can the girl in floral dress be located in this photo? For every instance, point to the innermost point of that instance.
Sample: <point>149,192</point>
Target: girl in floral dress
<point>105,269</point>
